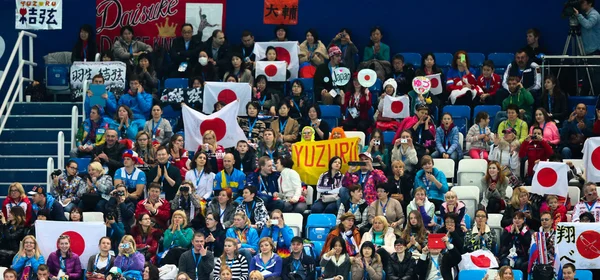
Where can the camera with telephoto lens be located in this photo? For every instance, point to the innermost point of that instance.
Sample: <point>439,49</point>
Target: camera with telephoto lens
<point>184,189</point>
<point>110,216</point>
<point>56,173</point>
<point>570,5</point>
<point>119,193</point>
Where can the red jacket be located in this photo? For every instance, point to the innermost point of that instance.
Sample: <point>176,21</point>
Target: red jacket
<point>535,150</point>
<point>162,216</point>
<point>181,162</point>
<point>495,83</point>
<point>408,123</point>
<point>25,204</point>
<point>152,239</point>
<point>363,106</point>
<point>559,215</point>
<point>596,130</point>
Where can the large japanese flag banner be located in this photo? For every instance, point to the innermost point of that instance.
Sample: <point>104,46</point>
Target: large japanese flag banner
<point>436,84</point>
<point>157,22</point>
<point>273,70</point>
<point>226,93</point>
<point>579,244</point>
<point>550,178</point>
<point>286,51</point>
<point>591,159</point>
<point>396,107</point>
<point>39,15</point>
<point>480,259</point>
<point>84,237</point>
<point>223,123</point>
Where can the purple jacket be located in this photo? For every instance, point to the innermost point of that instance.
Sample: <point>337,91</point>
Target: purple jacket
<point>72,265</point>
<point>133,262</point>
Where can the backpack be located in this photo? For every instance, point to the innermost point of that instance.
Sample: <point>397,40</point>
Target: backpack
<point>309,249</point>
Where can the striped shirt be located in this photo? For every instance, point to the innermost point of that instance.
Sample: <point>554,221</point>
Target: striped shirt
<point>582,207</point>
<point>239,268</point>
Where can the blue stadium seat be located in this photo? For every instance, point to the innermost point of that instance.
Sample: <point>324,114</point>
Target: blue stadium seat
<point>318,247</point>
<point>444,61</point>
<point>490,109</point>
<point>435,113</point>
<point>176,83</point>
<point>501,60</point>
<point>476,59</point>
<point>82,164</point>
<point>412,58</point>
<point>461,115</point>
<point>471,274</point>
<point>377,87</point>
<point>330,114</point>
<point>517,274</point>
<point>388,137</point>
<point>587,100</point>
<point>468,221</point>
<point>308,84</point>
<point>319,225</point>
<point>57,76</point>
<point>591,112</point>
<point>583,274</point>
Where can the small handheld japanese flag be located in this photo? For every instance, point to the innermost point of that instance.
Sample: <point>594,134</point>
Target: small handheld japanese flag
<point>436,84</point>
<point>84,237</point>
<point>550,178</point>
<point>274,70</point>
<point>396,107</point>
<point>591,159</point>
<point>227,93</point>
<point>286,51</point>
<point>223,123</point>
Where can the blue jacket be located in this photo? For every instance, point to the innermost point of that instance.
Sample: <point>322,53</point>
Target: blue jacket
<point>274,265</point>
<point>19,263</point>
<point>453,73</point>
<point>109,110</point>
<point>283,241</point>
<point>56,212</point>
<point>130,132</point>
<point>251,237</point>
<point>115,232</point>
<point>590,30</point>
<point>570,128</point>
<point>236,181</point>
<point>432,190</point>
<point>266,187</point>
<point>140,104</point>
<point>440,143</point>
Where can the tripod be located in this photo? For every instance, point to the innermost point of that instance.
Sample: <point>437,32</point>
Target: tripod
<point>574,40</point>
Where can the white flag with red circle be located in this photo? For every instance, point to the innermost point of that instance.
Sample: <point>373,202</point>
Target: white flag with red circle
<point>591,159</point>
<point>286,51</point>
<point>84,237</point>
<point>479,259</point>
<point>223,123</point>
<point>550,178</point>
<point>275,71</point>
<point>227,93</point>
<point>578,243</point>
<point>436,84</point>
<point>396,107</point>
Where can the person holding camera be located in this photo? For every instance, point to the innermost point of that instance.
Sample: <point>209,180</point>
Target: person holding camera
<point>575,131</point>
<point>65,185</point>
<point>298,266</point>
<point>122,206</point>
<point>158,208</point>
<point>132,177</point>
<point>129,261</point>
<point>589,18</point>
<point>364,175</point>
<point>404,151</point>
<point>64,261</point>
<point>378,150</point>
<point>535,149</point>
<point>187,200</point>
<point>165,174</point>
<point>279,232</point>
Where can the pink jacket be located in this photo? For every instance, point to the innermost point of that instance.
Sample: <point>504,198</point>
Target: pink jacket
<point>550,132</point>
<point>408,123</point>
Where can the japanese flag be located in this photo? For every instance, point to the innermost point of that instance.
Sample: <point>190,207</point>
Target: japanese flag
<point>227,93</point>
<point>396,107</point>
<point>286,51</point>
<point>591,159</point>
<point>550,178</point>
<point>436,84</point>
<point>84,237</point>
<point>480,259</point>
<point>274,70</point>
<point>223,123</point>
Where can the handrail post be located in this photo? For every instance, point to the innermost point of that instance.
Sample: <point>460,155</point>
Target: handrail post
<point>49,170</point>
<point>84,94</point>
<point>20,73</point>
<point>74,123</point>
<point>31,57</point>
<point>61,149</point>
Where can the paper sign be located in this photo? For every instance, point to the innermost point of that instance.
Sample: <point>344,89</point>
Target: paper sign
<point>421,85</point>
<point>97,92</point>
<point>112,71</point>
<point>312,158</point>
<point>341,76</point>
<point>367,77</point>
<point>333,93</point>
<point>577,243</point>
<point>39,15</point>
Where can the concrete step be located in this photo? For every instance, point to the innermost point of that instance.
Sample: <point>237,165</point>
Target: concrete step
<point>39,121</point>
<point>33,134</point>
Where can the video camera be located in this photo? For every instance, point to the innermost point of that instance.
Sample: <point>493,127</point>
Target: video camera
<point>568,9</point>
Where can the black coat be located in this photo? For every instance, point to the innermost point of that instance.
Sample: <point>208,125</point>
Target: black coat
<point>219,235</point>
<point>223,58</point>
<point>125,211</point>
<point>401,269</point>
<point>307,262</point>
<point>180,54</point>
<point>114,155</point>
<point>169,190</point>
<point>448,260</point>
<point>11,237</point>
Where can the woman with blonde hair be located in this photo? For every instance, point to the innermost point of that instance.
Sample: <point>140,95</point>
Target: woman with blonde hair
<point>308,134</point>
<point>231,260</point>
<point>246,235</point>
<point>183,276</point>
<point>519,202</point>
<point>177,238</point>
<point>267,262</point>
<point>17,197</point>
<point>214,151</point>
<point>255,275</point>
<point>129,260</point>
<point>493,188</point>
<point>98,187</point>
<point>29,257</point>
<point>145,150</point>
<point>382,236</point>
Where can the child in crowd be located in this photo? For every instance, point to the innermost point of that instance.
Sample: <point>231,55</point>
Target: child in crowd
<point>489,82</point>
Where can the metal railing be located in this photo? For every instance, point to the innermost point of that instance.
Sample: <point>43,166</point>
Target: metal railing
<point>11,96</point>
<point>49,169</point>
<point>61,149</point>
<point>74,126</point>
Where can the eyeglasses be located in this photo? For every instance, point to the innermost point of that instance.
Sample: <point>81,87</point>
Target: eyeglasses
<point>14,190</point>
<point>545,220</point>
<point>210,219</point>
<point>307,133</point>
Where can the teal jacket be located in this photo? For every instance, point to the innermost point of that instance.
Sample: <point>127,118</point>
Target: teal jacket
<point>384,53</point>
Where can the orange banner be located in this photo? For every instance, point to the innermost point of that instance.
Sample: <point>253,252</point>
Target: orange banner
<point>281,12</point>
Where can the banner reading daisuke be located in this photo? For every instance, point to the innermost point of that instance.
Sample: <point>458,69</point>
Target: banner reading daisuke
<point>311,159</point>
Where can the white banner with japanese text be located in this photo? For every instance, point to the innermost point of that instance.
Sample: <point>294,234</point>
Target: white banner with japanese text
<point>579,244</point>
<point>112,71</point>
<point>39,15</point>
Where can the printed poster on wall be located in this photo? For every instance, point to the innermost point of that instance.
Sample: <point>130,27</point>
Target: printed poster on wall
<point>281,12</point>
<point>39,15</point>
<point>156,22</point>
<point>578,243</point>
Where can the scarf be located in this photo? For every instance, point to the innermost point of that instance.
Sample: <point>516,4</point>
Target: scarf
<point>92,134</point>
<point>351,245</point>
<point>242,234</point>
<point>446,143</point>
<point>84,47</point>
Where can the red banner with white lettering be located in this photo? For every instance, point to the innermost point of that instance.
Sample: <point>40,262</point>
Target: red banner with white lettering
<point>156,22</point>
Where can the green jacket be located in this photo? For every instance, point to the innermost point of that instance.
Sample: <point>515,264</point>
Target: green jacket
<point>384,53</point>
<point>523,99</point>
